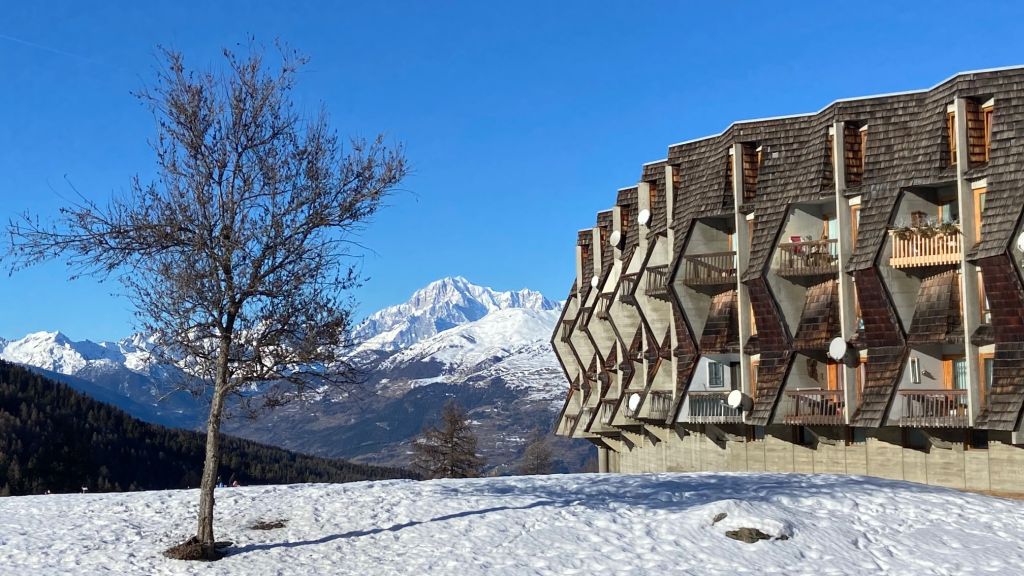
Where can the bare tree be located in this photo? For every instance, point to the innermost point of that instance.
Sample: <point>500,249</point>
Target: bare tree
<point>448,449</point>
<point>537,458</point>
<point>238,257</point>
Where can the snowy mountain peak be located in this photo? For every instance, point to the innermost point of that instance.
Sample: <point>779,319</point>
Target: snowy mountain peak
<point>439,306</point>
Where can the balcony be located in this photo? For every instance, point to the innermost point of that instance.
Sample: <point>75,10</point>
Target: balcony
<point>568,424</point>
<point>584,316</point>
<point>604,306</point>
<point>807,258</point>
<point>934,408</point>
<point>711,408</point>
<point>627,287</point>
<point>816,407</point>
<point>607,411</point>
<point>659,405</point>
<point>585,417</point>
<point>566,330</point>
<point>918,247</point>
<point>657,282</point>
<point>710,270</point>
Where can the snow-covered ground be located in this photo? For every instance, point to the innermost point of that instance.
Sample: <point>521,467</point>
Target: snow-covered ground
<point>577,524</point>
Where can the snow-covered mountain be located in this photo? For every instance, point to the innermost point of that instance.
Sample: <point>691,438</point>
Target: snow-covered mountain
<point>440,306</point>
<point>488,349</point>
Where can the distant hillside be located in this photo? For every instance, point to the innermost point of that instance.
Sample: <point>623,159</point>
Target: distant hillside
<point>53,438</point>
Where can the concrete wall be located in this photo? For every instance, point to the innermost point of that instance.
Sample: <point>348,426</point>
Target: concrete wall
<point>880,452</point>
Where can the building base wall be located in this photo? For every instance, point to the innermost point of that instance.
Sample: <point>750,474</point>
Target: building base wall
<point>884,452</point>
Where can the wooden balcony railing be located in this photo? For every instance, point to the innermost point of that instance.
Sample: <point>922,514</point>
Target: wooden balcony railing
<point>659,405</point>
<point>710,408</point>
<point>604,306</point>
<point>566,330</point>
<point>816,407</point>
<point>807,258</point>
<point>934,408</point>
<point>657,282</point>
<point>912,251</point>
<point>716,269</point>
<point>627,288</point>
<point>584,316</point>
<point>607,411</point>
<point>569,423</point>
<point>585,416</point>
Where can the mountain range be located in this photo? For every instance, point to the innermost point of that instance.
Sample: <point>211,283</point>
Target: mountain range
<point>452,339</point>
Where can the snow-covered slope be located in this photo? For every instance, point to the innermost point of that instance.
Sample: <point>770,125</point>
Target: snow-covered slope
<point>567,524</point>
<point>439,306</point>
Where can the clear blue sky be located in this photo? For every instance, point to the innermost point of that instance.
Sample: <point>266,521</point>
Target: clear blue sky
<point>521,119</point>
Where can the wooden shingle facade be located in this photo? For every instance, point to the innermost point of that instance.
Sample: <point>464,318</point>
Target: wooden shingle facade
<point>852,279</point>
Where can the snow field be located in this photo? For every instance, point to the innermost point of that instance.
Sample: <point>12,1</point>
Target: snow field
<point>561,525</point>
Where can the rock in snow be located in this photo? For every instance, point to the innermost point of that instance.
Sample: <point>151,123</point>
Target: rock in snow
<point>571,524</point>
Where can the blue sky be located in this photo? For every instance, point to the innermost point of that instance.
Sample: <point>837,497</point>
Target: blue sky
<point>520,119</point>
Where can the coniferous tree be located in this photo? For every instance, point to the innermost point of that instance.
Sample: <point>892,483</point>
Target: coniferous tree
<point>537,458</point>
<point>448,449</point>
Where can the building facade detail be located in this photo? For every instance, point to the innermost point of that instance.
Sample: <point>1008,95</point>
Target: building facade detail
<point>831,292</point>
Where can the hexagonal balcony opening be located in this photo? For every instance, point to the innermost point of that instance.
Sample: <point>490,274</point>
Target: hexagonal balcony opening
<point>925,231</point>
<point>808,251</point>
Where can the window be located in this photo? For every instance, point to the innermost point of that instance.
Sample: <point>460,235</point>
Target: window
<point>716,375</point>
<point>951,136</point>
<point>986,312</point>
<point>954,369</point>
<point>753,378</point>
<point>863,146</point>
<point>979,209</point>
<point>915,370</point>
<point>753,321</point>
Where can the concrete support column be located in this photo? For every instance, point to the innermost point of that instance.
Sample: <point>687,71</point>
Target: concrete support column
<point>847,310</point>
<point>602,459</point>
<point>742,245</point>
<point>970,305</point>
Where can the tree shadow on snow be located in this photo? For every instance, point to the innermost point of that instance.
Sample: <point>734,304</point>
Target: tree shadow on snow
<point>358,533</point>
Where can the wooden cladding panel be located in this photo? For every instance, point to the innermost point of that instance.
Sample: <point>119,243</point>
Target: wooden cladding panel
<point>977,151</point>
<point>853,154</point>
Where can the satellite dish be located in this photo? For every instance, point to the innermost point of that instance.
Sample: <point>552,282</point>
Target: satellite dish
<point>644,217</point>
<point>593,281</point>
<point>837,349</point>
<point>634,402</point>
<point>1020,242</point>
<point>615,239</point>
<point>737,400</point>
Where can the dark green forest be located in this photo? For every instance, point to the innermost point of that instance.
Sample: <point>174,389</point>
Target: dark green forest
<point>55,439</point>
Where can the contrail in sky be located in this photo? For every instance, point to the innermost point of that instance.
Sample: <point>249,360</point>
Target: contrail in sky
<point>49,49</point>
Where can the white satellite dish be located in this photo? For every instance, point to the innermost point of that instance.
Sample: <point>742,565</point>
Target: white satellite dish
<point>837,349</point>
<point>644,217</point>
<point>634,402</point>
<point>593,281</point>
<point>1020,242</point>
<point>737,400</point>
<point>615,239</point>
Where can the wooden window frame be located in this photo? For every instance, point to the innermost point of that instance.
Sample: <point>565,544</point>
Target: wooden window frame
<point>753,377</point>
<point>985,311</point>
<point>833,379</point>
<point>978,208</point>
<point>948,378</point>
<point>863,149</point>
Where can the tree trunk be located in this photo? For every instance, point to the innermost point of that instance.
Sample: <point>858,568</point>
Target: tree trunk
<point>204,533</point>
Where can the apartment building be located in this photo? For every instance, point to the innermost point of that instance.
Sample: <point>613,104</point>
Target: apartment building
<point>831,292</point>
